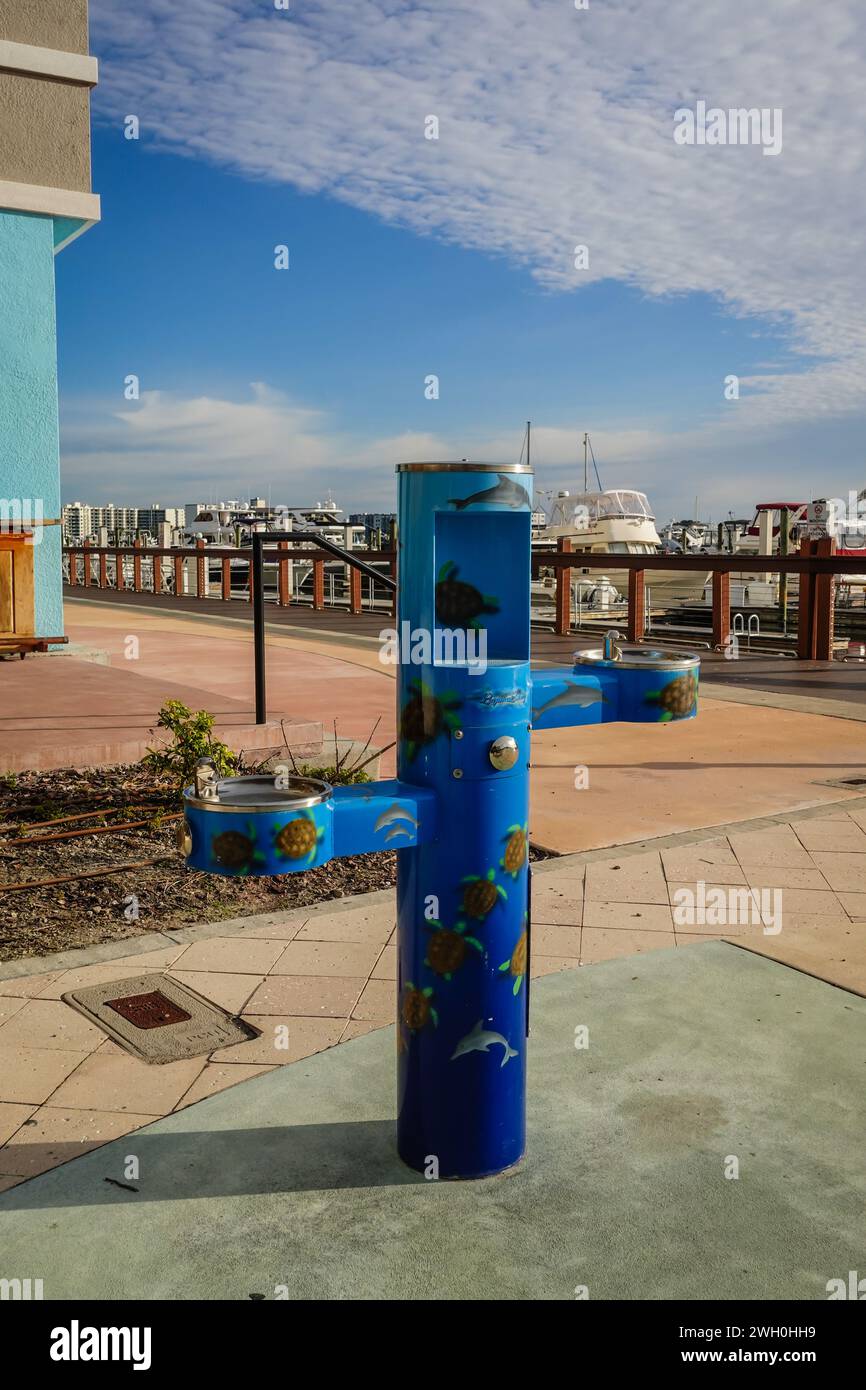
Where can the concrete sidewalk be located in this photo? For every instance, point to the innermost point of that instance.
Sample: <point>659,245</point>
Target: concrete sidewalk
<point>289,1186</point>
<point>327,973</point>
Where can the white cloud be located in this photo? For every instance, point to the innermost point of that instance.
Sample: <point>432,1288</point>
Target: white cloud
<point>555,129</point>
<point>166,448</point>
<point>173,449</point>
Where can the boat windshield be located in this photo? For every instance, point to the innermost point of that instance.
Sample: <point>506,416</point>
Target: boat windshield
<point>616,503</point>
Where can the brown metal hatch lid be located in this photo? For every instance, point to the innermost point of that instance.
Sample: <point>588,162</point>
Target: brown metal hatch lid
<point>148,1010</point>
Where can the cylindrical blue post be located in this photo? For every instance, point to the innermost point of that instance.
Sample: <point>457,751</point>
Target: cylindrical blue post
<point>462,900</point>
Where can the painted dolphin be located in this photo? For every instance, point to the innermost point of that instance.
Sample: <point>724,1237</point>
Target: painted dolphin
<point>480,1040</point>
<point>396,831</point>
<point>393,814</point>
<point>505,494</point>
<point>573,694</point>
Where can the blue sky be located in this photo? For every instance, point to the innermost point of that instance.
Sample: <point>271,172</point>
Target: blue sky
<point>452,257</point>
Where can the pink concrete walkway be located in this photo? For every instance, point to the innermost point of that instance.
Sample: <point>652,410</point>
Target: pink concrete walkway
<point>306,679</point>
<point>734,762</point>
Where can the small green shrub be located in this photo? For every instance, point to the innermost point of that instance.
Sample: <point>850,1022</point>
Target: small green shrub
<point>192,738</point>
<point>337,776</point>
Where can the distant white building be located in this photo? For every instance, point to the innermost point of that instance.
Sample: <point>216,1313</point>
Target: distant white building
<point>77,518</point>
<point>82,520</point>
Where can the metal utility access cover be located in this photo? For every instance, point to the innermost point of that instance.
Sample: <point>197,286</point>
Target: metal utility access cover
<point>148,1010</point>
<point>158,1019</point>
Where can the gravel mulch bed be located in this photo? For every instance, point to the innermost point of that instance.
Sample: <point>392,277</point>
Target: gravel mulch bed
<point>62,916</point>
<point>59,917</point>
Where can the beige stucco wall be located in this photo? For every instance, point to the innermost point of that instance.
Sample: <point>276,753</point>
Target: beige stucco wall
<point>45,23</point>
<point>44,132</point>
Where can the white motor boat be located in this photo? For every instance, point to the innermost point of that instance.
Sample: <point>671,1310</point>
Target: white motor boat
<point>618,521</point>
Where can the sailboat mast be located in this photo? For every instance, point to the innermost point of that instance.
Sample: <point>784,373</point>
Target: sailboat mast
<point>585,473</point>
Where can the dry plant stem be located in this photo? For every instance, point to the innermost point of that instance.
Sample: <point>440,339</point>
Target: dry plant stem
<point>88,873</point>
<point>95,830</point>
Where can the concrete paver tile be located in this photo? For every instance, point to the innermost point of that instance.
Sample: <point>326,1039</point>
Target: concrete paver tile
<point>808,900</point>
<point>555,941</point>
<point>28,986</point>
<point>790,876</point>
<point>357,1027</point>
<point>312,996</point>
<point>843,871</point>
<point>12,1117</point>
<point>365,925</point>
<point>830,834</point>
<point>637,878</point>
<point>598,944</point>
<point>232,955</point>
<point>277,931</point>
<point>557,903</point>
<point>217,1077</point>
<point>552,965</point>
<point>30,1074</point>
<point>284,1038</point>
<point>120,969</point>
<point>231,992</point>
<point>377,1003</point>
<point>9,1007</point>
<point>108,1082</point>
<point>59,1134</point>
<point>696,861</point>
<point>332,958</point>
<point>386,965</point>
<point>625,916</point>
<point>52,1024</point>
<point>776,847</point>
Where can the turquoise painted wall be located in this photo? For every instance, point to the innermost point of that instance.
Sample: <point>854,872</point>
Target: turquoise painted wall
<point>29,448</point>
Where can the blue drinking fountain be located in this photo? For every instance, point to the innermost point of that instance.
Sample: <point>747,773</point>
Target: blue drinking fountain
<point>457,812</point>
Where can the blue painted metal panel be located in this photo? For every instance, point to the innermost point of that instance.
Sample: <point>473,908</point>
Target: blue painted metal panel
<point>566,696</point>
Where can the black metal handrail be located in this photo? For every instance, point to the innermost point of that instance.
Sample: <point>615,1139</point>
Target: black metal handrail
<point>260,540</point>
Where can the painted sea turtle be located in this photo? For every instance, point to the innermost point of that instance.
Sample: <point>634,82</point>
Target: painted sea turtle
<point>677,698</point>
<point>516,849</point>
<point>446,949</point>
<point>424,717</point>
<point>481,895</point>
<point>299,838</point>
<point>516,964</point>
<point>231,849</point>
<point>459,604</point>
<point>417,1011</point>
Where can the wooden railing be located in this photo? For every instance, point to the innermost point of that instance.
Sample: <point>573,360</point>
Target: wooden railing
<point>180,572</point>
<point>817,565</point>
<point>186,572</point>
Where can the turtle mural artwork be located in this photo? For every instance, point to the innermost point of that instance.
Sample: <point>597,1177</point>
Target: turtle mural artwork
<point>425,716</point>
<point>417,1010</point>
<point>459,604</point>
<point>446,949</point>
<point>480,895</point>
<point>299,838</point>
<point>233,850</point>
<point>516,963</point>
<point>516,849</point>
<point>677,699</point>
